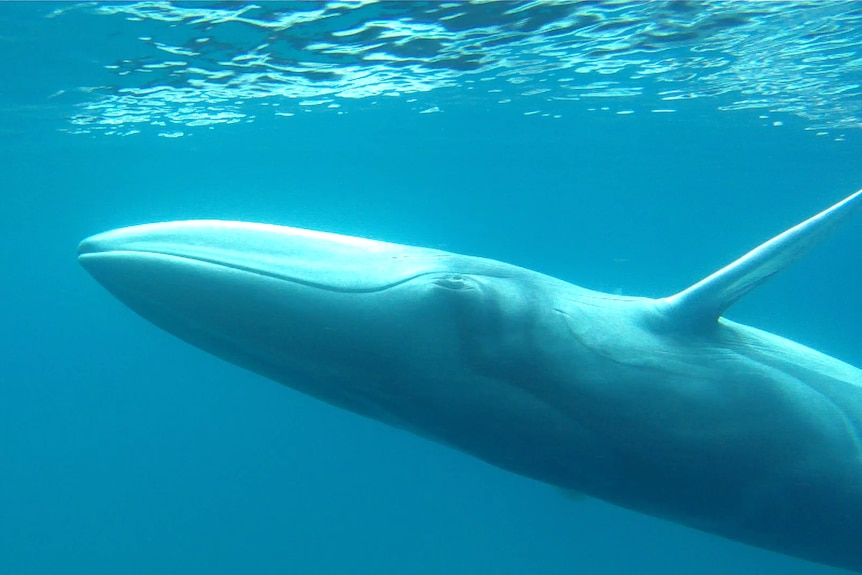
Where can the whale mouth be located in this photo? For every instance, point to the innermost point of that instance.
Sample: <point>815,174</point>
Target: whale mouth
<point>315,259</point>
<point>88,257</point>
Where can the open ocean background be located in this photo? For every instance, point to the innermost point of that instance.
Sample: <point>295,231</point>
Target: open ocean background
<point>623,147</point>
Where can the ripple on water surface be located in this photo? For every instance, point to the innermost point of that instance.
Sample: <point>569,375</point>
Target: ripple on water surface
<point>197,65</point>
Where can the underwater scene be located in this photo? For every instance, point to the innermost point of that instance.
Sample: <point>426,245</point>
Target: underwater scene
<point>628,148</point>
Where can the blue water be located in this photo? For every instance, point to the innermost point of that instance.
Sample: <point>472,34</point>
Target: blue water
<point>631,148</point>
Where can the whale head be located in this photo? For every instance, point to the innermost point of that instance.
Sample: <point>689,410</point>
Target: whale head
<point>382,329</point>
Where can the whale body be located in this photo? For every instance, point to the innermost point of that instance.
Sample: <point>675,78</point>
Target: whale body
<point>657,405</point>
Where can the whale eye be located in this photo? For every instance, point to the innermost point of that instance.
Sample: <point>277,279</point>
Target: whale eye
<point>454,282</point>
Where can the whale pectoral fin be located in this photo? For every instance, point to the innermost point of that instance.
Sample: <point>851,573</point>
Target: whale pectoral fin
<point>703,303</point>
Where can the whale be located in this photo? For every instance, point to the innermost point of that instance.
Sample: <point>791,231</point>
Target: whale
<point>659,405</point>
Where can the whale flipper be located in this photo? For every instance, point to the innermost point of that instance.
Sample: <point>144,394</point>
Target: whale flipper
<point>703,303</point>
